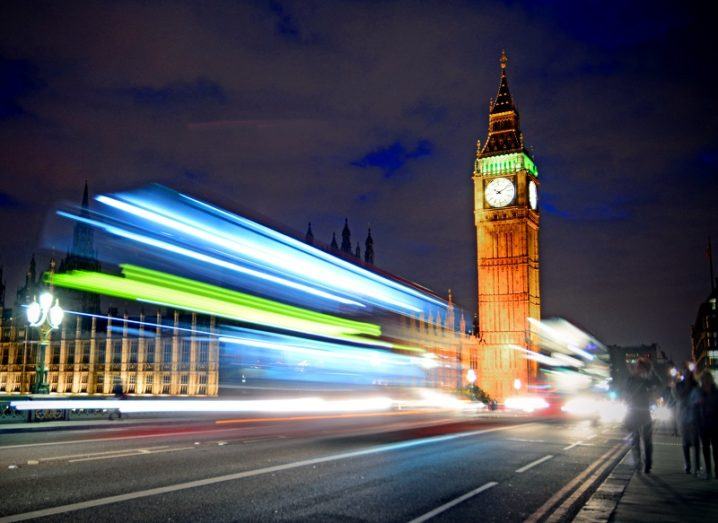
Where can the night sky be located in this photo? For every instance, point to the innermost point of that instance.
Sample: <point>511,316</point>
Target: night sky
<point>315,112</point>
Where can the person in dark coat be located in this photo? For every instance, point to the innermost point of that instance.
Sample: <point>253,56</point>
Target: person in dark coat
<point>639,391</point>
<point>687,422</point>
<point>707,403</point>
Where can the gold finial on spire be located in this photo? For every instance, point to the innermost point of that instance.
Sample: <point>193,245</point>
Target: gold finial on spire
<point>504,59</point>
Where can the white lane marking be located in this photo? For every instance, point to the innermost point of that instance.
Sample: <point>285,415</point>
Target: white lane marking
<point>88,454</point>
<point>572,445</point>
<point>534,463</point>
<point>527,440</point>
<point>61,509</point>
<point>139,452</point>
<point>453,503</point>
<point>121,438</point>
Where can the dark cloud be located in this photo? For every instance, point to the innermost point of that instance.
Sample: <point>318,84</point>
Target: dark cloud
<point>393,157</point>
<point>286,24</point>
<point>8,201</point>
<point>18,78</point>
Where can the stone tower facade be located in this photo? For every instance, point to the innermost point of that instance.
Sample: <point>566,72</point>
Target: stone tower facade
<point>506,192</point>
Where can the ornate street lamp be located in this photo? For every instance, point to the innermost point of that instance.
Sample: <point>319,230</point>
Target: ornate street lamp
<point>47,317</point>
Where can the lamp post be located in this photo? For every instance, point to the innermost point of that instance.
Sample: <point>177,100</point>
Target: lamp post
<point>47,317</point>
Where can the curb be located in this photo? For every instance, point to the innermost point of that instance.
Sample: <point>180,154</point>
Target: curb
<point>602,504</point>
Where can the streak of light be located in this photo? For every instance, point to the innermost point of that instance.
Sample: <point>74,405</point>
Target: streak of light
<point>527,404</point>
<point>284,261</point>
<point>309,404</point>
<point>318,253</point>
<point>564,339</point>
<point>608,411</point>
<point>164,289</point>
<point>567,360</point>
<point>234,235</point>
<point>370,405</point>
<point>313,418</point>
<point>569,381</point>
<point>537,356</point>
<point>189,253</point>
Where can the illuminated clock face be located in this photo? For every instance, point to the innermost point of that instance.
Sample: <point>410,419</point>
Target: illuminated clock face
<point>533,195</point>
<point>500,192</point>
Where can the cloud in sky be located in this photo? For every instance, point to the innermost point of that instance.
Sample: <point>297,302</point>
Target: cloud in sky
<point>390,159</point>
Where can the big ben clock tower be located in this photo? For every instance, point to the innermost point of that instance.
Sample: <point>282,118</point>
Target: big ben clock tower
<point>506,194</point>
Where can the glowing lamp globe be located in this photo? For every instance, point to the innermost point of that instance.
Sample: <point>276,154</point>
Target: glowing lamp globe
<point>45,300</point>
<point>55,316</point>
<point>34,312</point>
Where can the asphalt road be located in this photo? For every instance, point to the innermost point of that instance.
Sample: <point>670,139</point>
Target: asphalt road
<point>400,466</point>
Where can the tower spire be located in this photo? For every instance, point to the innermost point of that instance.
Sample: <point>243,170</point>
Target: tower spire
<point>82,236</point>
<point>346,238</point>
<point>369,248</point>
<point>504,132</point>
<point>309,237</point>
<point>85,198</point>
<point>503,101</point>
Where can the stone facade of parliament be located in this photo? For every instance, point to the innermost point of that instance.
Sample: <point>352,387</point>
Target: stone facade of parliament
<point>167,352</point>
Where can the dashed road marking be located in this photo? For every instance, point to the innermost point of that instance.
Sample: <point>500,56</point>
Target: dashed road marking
<point>534,463</point>
<point>139,452</point>
<point>454,502</point>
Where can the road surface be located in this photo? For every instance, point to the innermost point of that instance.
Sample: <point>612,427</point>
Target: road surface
<point>398,466</point>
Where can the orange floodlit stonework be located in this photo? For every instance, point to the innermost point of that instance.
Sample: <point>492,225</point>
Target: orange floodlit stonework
<point>506,194</point>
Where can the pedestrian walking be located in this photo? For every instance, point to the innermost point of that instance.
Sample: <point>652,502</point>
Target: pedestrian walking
<point>707,403</point>
<point>687,418</point>
<point>639,391</point>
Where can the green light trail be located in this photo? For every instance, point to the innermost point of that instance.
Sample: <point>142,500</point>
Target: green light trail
<point>146,285</point>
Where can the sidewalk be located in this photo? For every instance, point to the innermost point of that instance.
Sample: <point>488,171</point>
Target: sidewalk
<point>666,494</point>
